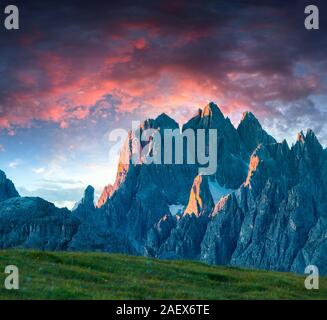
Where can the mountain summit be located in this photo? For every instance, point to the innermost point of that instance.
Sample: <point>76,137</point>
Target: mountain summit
<point>7,188</point>
<point>210,117</point>
<point>252,133</point>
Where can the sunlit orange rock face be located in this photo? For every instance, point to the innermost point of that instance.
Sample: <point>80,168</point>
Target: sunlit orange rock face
<point>300,137</point>
<point>220,205</point>
<point>195,202</point>
<point>200,201</point>
<point>254,162</point>
<point>106,193</point>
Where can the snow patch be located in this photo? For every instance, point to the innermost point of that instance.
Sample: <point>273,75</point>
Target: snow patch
<point>176,208</point>
<point>217,191</point>
<point>293,225</point>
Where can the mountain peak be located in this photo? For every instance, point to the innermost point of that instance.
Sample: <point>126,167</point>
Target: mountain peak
<point>311,136</point>
<point>212,110</point>
<point>87,202</point>
<point>300,137</point>
<point>210,117</point>
<point>163,116</point>
<point>7,188</point>
<point>88,198</point>
<point>310,142</point>
<point>284,143</point>
<point>163,121</point>
<point>249,116</point>
<point>252,133</point>
<point>249,119</point>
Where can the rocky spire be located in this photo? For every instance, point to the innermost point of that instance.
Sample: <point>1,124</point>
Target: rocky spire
<point>87,202</point>
<point>211,110</point>
<point>200,202</point>
<point>7,188</point>
<point>308,153</point>
<point>252,133</point>
<point>300,137</point>
<point>209,118</point>
<point>163,121</point>
<point>88,198</point>
<point>308,143</point>
<point>105,195</point>
<point>311,139</point>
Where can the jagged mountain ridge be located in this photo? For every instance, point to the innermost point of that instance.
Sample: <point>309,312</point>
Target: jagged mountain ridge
<point>278,217</point>
<point>264,207</point>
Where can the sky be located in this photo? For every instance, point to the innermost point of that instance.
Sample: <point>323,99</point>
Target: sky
<point>77,70</point>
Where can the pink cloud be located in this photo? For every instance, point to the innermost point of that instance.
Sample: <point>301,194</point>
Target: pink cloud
<point>153,65</point>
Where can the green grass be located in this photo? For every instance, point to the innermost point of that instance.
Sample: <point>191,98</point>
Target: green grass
<point>64,275</point>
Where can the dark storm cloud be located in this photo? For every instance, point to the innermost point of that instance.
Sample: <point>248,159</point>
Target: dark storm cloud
<point>250,54</point>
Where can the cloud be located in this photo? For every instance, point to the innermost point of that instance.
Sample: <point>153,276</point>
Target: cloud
<point>2,148</point>
<point>167,56</point>
<point>61,197</point>
<point>38,170</point>
<point>65,178</point>
<point>15,163</point>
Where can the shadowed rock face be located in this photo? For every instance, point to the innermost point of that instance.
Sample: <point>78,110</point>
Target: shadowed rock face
<point>186,234</point>
<point>7,188</point>
<point>277,219</point>
<point>265,207</point>
<point>232,155</point>
<point>35,223</point>
<point>251,132</point>
<point>87,202</point>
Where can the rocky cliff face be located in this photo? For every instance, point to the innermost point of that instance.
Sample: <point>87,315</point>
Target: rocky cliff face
<point>232,155</point>
<point>251,132</point>
<point>35,223</point>
<point>184,237</point>
<point>277,214</point>
<point>7,188</point>
<point>94,232</point>
<point>264,207</point>
<point>143,193</point>
<point>105,195</point>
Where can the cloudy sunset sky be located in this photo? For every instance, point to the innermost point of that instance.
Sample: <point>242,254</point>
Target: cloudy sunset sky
<point>79,69</point>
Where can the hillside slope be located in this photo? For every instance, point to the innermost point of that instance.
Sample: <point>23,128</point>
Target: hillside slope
<point>64,275</point>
